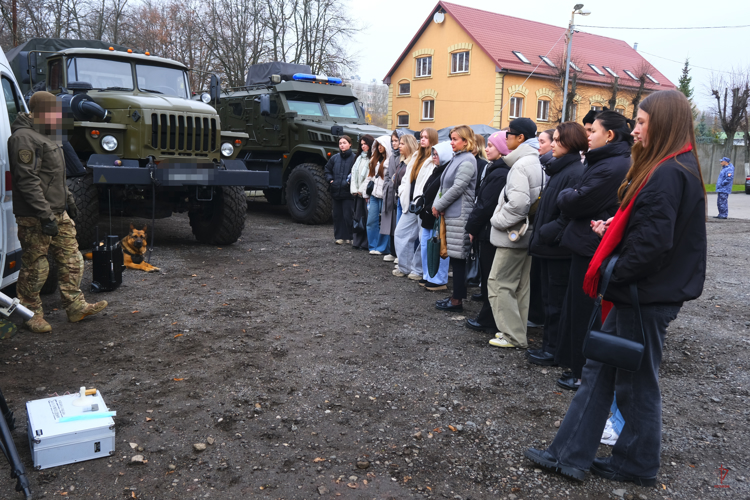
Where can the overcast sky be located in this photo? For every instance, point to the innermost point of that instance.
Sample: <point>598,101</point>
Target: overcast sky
<point>391,24</point>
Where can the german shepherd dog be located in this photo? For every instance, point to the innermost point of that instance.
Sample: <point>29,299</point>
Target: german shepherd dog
<point>134,246</point>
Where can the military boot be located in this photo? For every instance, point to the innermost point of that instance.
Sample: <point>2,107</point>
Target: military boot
<point>77,312</point>
<point>37,324</point>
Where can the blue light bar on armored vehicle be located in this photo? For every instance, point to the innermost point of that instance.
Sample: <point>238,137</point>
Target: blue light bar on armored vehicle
<point>304,77</point>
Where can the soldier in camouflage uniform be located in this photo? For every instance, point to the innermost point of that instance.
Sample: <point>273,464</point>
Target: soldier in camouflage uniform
<point>40,196</point>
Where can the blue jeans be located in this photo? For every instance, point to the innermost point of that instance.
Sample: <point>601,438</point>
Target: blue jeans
<point>617,421</point>
<point>376,241</point>
<point>638,396</point>
<point>441,278</point>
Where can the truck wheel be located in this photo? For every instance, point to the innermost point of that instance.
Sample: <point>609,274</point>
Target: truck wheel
<point>274,196</point>
<point>87,200</point>
<point>221,221</point>
<point>307,196</point>
<point>50,286</point>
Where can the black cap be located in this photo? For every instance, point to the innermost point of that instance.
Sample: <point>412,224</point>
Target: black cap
<point>590,116</point>
<point>523,126</point>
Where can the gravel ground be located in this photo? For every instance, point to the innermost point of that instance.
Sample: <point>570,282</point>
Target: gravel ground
<point>307,370</point>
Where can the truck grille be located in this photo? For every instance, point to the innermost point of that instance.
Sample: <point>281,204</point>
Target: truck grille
<point>320,137</point>
<point>179,133</point>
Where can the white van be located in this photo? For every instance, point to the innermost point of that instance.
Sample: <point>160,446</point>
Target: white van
<point>10,247</point>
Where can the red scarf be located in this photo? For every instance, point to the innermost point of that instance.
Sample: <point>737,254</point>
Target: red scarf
<point>615,232</point>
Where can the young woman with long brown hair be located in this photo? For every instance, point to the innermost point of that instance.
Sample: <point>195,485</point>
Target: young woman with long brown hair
<point>406,236</point>
<point>659,233</point>
<point>381,152</point>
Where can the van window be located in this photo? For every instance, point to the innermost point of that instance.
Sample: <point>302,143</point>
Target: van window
<point>11,100</point>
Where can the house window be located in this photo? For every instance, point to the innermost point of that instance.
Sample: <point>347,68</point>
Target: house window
<point>547,61</point>
<point>573,112</point>
<point>424,66</point>
<point>404,88</point>
<point>610,71</point>
<point>620,110</point>
<point>596,70</point>
<point>542,110</point>
<point>521,57</point>
<point>573,65</point>
<point>403,120</point>
<point>652,79</point>
<point>428,109</point>
<point>630,74</point>
<point>516,107</point>
<point>596,108</point>
<point>460,62</point>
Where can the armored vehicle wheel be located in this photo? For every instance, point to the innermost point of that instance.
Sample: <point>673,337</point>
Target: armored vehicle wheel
<point>274,196</point>
<point>87,200</point>
<point>221,221</point>
<point>307,196</point>
<point>50,286</point>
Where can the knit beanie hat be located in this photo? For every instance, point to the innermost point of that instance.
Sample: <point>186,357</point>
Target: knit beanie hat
<point>498,139</point>
<point>42,101</point>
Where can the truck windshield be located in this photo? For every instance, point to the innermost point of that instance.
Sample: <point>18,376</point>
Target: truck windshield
<point>162,80</point>
<point>309,108</point>
<point>347,110</point>
<point>100,73</point>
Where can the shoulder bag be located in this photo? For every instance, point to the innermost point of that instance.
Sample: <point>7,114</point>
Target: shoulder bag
<point>609,348</point>
<point>433,250</point>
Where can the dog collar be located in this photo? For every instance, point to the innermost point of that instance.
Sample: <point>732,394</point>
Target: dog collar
<point>135,257</point>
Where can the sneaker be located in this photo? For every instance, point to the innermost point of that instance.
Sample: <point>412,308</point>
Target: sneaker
<point>375,252</point>
<point>500,341</point>
<point>609,436</point>
<point>450,274</point>
<point>396,261</point>
<point>415,277</point>
<point>37,324</point>
<point>434,287</point>
<point>389,258</point>
<point>348,242</point>
<point>339,242</point>
<point>398,273</point>
<point>87,310</point>
<point>423,282</point>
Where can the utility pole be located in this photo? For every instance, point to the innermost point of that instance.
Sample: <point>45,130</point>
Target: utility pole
<point>577,9</point>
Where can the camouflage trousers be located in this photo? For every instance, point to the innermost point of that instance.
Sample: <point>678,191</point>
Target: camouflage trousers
<point>35,268</point>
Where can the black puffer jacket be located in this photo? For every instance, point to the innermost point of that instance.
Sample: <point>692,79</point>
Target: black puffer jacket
<point>549,223</point>
<point>546,158</point>
<point>430,191</point>
<point>488,194</point>
<point>594,197</point>
<point>481,163</point>
<point>338,169</point>
<point>664,245</point>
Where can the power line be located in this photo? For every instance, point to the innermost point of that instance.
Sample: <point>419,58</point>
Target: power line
<point>691,65</point>
<point>681,28</point>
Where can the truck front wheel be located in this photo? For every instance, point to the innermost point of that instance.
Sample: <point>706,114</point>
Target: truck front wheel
<point>87,201</point>
<point>307,196</point>
<point>221,220</point>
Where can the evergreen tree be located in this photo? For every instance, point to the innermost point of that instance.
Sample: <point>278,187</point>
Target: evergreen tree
<point>685,80</point>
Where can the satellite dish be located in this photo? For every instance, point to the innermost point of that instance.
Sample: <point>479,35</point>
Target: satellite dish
<point>439,17</point>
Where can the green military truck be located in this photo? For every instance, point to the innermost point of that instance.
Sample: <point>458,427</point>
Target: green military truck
<point>139,143</point>
<point>293,119</point>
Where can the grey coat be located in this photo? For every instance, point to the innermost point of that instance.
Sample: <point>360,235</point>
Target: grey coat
<point>456,199</point>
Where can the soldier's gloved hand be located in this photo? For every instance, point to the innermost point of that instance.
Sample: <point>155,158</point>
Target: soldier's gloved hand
<point>49,227</point>
<point>72,210</point>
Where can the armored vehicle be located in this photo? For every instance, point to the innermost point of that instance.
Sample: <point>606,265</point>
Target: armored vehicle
<point>138,144</point>
<point>293,120</point>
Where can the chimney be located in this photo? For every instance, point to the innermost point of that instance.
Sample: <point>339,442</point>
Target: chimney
<point>635,46</point>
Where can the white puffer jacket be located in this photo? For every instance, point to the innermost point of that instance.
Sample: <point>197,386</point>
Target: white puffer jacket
<point>360,169</point>
<point>377,191</point>
<point>522,189</point>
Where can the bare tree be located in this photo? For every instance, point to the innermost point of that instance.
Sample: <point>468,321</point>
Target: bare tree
<point>614,87</point>
<point>557,106</point>
<point>731,94</point>
<point>642,73</point>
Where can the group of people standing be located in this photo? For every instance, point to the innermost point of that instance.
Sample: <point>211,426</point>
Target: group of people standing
<point>544,215</point>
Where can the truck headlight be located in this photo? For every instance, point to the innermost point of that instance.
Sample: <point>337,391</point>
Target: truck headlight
<point>227,149</point>
<point>109,143</point>
<point>205,97</point>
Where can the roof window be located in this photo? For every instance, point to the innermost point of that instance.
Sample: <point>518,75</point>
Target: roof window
<point>630,74</point>
<point>573,65</point>
<point>521,57</point>
<point>596,70</point>
<point>610,71</point>
<point>546,60</point>
<point>652,79</point>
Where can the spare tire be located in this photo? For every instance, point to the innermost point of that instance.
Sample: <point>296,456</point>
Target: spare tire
<point>307,197</point>
<point>87,201</point>
<point>221,220</point>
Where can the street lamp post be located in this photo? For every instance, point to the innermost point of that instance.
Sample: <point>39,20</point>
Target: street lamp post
<point>577,9</point>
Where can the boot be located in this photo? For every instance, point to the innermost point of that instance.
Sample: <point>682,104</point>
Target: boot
<point>76,315</point>
<point>37,324</point>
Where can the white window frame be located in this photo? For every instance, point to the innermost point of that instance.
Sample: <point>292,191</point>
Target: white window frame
<point>428,108</point>
<point>399,88</point>
<point>521,57</point>
<point>596,70</point>
<point>516,106</point>
<point>630,74</point>
<point>542,110</point>
<point>547,61</point>
<point>610,71</point>
<point>424,67</point>
<point>456,62</point>
<point>573,65</point>
<point>398,120</point>
<point>652,79</point>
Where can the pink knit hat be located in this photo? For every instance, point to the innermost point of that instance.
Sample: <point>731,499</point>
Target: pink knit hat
<point>498,139</point>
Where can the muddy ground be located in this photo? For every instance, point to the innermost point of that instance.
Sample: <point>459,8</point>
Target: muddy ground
<point>309,371</point>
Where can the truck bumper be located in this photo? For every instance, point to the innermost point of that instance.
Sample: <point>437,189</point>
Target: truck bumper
<point>180,174</point>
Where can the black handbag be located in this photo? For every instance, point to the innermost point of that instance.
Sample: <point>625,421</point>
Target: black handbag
<point>370,187</point>
<point>608,348</point>
<point>359,226</point>
<point>473,274</point>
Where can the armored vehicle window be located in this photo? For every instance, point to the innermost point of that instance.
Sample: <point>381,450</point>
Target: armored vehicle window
<point>11,100</point>
<point>100,73</point>
<point>55,75</point>
<point>309,108</point>
<point>161,80</point>
<point>348,110</point>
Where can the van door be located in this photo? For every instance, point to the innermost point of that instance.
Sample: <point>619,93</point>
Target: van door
<point>10,253</point>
